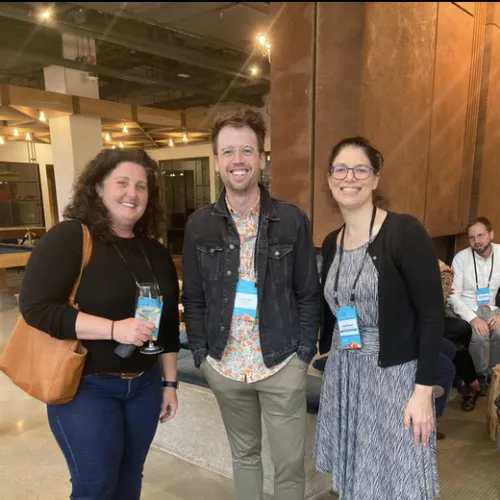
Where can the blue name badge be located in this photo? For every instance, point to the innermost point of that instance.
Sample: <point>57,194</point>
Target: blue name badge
<point>483,296</point>
<point>348,328</point>
<point>149,310</point>
<point>245,303</point>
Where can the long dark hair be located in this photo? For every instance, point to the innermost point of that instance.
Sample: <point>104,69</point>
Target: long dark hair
<point>87,206</point>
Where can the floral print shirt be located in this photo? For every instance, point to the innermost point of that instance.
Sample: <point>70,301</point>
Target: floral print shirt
<point>242,358</point>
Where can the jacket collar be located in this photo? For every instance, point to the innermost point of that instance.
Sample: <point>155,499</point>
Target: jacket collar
<point>267,209</point>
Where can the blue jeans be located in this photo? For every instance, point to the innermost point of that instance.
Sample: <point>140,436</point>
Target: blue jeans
<point>105,434</point>
<point>445,373</point>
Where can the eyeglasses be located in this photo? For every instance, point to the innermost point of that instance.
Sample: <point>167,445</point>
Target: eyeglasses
<point>360,172</point>
<point>247,150</point>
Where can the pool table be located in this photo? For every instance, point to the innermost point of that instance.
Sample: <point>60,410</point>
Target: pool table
<point>12,256</point>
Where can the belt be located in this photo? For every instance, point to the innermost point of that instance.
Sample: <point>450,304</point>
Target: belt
<point>125,376</point>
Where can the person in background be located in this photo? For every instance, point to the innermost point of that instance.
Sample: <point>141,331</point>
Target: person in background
<point>106,431</point>
<point>459,332</point>
<point>475,284</point>
<point>383,325</point>
<point>252,309</point>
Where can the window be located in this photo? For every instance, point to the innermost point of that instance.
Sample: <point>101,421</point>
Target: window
<point>20,195</point>
<point>184,187</point>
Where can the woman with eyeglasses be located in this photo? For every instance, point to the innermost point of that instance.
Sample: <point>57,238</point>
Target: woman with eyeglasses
<point>382,324</point>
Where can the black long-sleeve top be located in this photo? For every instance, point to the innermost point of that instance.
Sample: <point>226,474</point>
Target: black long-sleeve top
<point>107,290</point>
<point>411,320</point>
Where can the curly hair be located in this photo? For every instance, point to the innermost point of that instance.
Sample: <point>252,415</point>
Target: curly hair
<point>87,206</point>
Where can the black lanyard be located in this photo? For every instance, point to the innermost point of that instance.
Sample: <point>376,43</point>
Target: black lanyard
<point>335,291</point>
<point>475,267</point>
<point>147,262</point>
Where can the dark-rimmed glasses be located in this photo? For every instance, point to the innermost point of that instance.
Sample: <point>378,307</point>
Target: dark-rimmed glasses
<point>360,172</point>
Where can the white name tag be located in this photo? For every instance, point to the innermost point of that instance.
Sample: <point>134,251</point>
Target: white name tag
<point>245,303</point>
<point>348,328</point>
<point>483,296</point>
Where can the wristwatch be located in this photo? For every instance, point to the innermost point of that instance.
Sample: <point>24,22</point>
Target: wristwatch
<point>166,383</point>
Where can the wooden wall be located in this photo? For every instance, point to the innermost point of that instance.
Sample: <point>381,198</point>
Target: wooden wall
<point>417,79</point>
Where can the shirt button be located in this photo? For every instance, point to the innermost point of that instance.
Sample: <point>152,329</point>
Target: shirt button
<point>277,253</point>
<point>212,250</point>
<point>222,328</point>
<point>231,247</point>
<point>226,300</point>
<point>374,257</point>
<point>229,273</point>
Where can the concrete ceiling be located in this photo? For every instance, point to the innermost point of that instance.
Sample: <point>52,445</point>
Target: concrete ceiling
<point>171,55</point>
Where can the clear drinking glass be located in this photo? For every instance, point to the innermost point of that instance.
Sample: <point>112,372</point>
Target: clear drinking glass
<point>149,307</point>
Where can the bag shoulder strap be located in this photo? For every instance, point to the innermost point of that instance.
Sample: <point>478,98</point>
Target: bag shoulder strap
<point>86,253</point>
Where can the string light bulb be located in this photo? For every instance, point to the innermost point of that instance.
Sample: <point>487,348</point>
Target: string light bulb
<point>28,136</point>
<point>185,138</point>
<point>171,143</point>
<point>265,45</point>
<point>16,132</point>
<point>2,140</point>
<point>125,130</point>
<point>42,117</point>
<point>121,144</point>
<point>254,70</point>
<point>107,138</point>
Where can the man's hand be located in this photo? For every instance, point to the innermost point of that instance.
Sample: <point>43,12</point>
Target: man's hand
<point>481,327</point>
<point>494,322</point>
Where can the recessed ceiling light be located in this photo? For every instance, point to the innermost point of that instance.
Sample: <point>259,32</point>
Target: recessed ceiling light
<point>183,75</point>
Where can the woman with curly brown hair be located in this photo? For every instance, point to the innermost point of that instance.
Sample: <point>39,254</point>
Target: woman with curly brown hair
<point>106,431</point>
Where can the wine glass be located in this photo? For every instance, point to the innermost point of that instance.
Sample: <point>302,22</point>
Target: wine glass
<point>149,307</point>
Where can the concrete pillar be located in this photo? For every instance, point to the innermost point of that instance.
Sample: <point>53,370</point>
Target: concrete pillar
<point>75,139</point>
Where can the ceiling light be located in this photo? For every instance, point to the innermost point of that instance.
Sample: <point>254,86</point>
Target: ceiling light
<point>121,144</point>
<point>262,39</point>
<point>2,141</point>
<point>171,143</point>
<point>185,138</point>
<point>183,75</point>
<point>265,45</point>
<point>42,117</point>
<point>254,70</point>
<point>28,136</point>
<point>16,132</point>
<point>125,130</point>
<point>107,138</point>
<point>46,14</point>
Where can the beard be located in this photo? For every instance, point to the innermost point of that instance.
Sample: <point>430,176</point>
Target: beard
<point>484,249</point>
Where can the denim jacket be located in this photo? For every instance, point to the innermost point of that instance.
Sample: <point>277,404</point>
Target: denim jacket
<point>288,288</point>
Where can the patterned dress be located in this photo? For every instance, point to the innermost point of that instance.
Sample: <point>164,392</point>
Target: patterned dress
<point>360,436</point>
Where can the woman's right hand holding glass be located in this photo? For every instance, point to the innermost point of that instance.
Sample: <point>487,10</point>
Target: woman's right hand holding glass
<point>133,331</point>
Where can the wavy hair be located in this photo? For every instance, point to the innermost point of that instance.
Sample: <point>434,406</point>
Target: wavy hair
<point>86,204</point>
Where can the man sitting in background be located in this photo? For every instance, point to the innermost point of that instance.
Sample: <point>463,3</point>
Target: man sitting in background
<point>475,284</point>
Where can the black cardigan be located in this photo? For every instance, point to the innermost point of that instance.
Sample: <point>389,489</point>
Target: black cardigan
<point>411,321</point>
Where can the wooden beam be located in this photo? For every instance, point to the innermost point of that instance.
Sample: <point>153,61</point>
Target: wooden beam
<point>104,109</point>
<point>35,98</point>
<point>19,102</point>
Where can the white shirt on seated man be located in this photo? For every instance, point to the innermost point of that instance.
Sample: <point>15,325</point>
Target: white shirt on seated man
<point>476,282</point>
